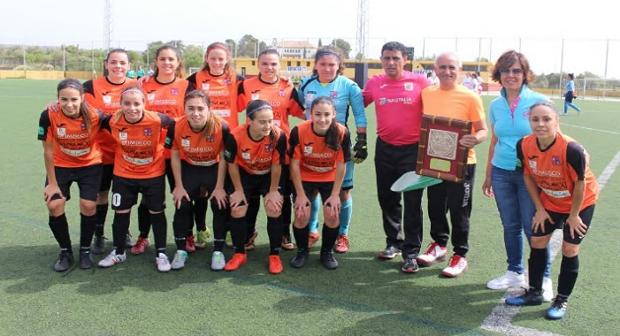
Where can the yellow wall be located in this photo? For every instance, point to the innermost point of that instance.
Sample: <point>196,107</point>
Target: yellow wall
<point>38,74</point>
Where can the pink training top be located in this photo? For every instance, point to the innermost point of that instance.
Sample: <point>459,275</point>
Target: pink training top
<point>398,106</point>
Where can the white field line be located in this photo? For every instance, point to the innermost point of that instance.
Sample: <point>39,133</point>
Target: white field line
<point>500,319</point>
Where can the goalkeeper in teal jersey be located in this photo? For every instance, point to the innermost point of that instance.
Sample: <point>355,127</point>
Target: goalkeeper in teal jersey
<point>327,80</point>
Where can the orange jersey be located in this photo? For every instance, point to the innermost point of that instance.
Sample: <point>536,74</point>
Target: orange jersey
<point>106,97</point>
<point>555,171</point>
<point>317,162</point>
<point>165,98</point>
<point>74,145</point>
<point>281,95</point>
<point>222,92</point>
<point>140,151</point>
<point>194,147</point>
<point>255,157</point>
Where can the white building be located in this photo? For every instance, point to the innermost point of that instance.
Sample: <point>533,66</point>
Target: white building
<point>296,49</point>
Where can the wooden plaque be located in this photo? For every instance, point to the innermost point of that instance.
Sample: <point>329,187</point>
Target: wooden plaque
<point>439,153</point>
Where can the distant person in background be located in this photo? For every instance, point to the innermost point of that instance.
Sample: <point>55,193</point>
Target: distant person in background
<point>570,94</point>
<point>140,72</point>
<point>398,107</point>
<point>71,155</point>
<point>104,94</point>
<point>479,83</point>
<point>131,73</point>
<point>452,100</point>
<point>328,80</point>
<point>565,191</point>
<point>508,115</point>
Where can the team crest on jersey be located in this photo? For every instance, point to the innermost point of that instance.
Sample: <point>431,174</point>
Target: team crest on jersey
<point>185,142</point>
<point>210,138</point>
<point>382,101</point>
<point>282,93</point>
<point>227,81</point>
<point>555,160</point>
<point>83,126</point>
<point>268,148</point>
<point>408,86</point>
<point>309,97</point>
<point>148,131</point>
<point>61,131</point>
<point>333,94</point>
<point>174,91</point>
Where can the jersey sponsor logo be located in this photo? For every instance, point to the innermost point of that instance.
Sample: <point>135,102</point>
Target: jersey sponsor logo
<point>308,148</point>
<point>41,130</point>
<point>245,154</point>
<point>555,160</point>
<point>75,152</point>
<point>408,86</point>
<point>333,94</point>
<point>255,96</point>
<point>107,99</point>
<point>150,96</point>
<point>223,113</point>
<point>396,100</point>
<point>138,161</point>
<point>122,135</point>
<point>556,193</point>
<point>61,132</point>
<point>205,86</point>
<point>268,148</point>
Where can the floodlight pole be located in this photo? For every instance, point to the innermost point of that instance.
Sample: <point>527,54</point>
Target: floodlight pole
<point>561,68</point>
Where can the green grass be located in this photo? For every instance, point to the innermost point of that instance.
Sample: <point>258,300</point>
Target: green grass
<point>363,297</point>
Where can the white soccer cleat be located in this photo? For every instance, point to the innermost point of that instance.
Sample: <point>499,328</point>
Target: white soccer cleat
<point>162,262</point>
<point>434,253</point>
<point>179,260</point>
<point>112,259</point>
<point>218,261</point>
<point>509,280</point>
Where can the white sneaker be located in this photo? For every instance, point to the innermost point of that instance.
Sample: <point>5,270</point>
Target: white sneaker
<point>218,261</point>
<point>509,280</point>
<point>547,287</point>
<point>162,262</point>
<point>456,266</point>
<point>434,253</point>
<point>112,259</point>
<point>179,260</point>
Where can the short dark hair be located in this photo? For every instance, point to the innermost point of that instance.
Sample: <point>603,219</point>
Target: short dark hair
<point>395,46</point>
<point>328,51</point>
<point>509,58</point>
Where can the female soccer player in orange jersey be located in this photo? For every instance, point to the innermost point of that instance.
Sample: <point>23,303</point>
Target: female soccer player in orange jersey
<point>219,81</point>
<point>139,167</point>
<point>319,149</point>
<point>71,155</point>
<point>104,94</point>
<point>199,174</point>
<point>564,191</point>
<point>281,94</point>
<point>164,92</point>
<point>255,154</point>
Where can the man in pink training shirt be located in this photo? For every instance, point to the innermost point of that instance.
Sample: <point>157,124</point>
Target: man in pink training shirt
<point>398,107</point>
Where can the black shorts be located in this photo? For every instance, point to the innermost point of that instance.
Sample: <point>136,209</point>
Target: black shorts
<point>569,96</point>
<point>169,175</point>
<point>255,186</point>
<point>106,177</point>
<point>198,181</point>
<point>560,219</point>
<point>125,192</point>
<point>87,179</point>
<point>313,188</point>
<point>286,185</point>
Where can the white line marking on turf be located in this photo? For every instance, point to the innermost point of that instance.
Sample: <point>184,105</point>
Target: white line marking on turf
<point>500,319</point>
<point>591,129</point>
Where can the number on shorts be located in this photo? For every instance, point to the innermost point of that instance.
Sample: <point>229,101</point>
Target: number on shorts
<point>116,199</point>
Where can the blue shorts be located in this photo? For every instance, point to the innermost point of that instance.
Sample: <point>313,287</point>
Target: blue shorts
<point>347,183</point>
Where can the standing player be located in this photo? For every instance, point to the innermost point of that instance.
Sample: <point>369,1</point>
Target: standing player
<point>281,94</point>
<point>104,93</point>
<point>199,174</point>
<point>164,93</point>
<point>71,155</point>
<point>219,81</point>
<point>570,94</point>
<point>139,167</point>
<point>319,150</point>
<point>327,80</point>
<point>564,191</point>
<point>255,154</point>
<point>452,100</point>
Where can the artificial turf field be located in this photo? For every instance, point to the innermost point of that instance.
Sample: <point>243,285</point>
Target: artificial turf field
<point>362,297</point>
